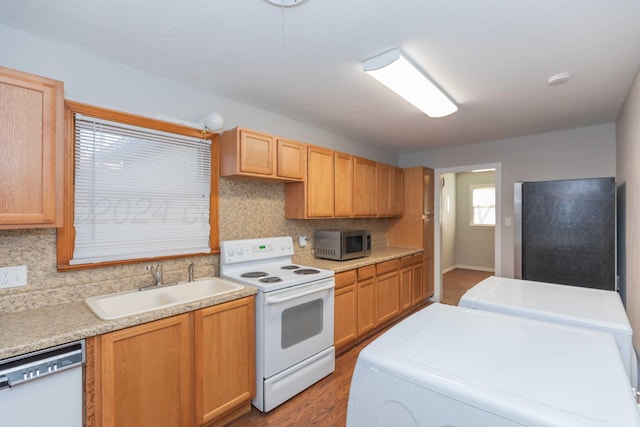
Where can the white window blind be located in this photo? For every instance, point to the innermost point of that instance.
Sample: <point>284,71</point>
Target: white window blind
<point>483,204</point>
<point>139,193</point>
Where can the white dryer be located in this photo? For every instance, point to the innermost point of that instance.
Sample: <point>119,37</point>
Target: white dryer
<point>448,366</point>
<point>570,305</point>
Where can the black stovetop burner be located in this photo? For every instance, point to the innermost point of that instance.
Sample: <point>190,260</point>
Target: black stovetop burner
<point>307,271</point>
<point>289,267</point>
<point>271,279</point>
<point>254,274</point>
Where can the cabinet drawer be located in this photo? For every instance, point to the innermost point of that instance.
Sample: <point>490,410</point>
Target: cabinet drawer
<point>387,266</point>
<point>366,272</point>
<point>406,261</point>
<point>345,279</point>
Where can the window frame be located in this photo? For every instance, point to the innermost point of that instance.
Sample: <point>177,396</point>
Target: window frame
<point>66,234</point>
<point>473,187</point>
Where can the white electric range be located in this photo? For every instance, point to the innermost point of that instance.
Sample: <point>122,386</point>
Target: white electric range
<point>294,316</point>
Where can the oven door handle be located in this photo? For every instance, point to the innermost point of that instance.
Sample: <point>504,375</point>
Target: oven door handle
<point>294,295</point>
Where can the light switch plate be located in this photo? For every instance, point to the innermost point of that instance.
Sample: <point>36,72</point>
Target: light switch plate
<point>13,276</point>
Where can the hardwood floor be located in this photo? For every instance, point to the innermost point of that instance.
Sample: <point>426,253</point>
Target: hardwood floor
<point>456,282</point>
<point>324,404</point>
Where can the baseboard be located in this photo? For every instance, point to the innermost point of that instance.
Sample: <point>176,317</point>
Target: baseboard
<point>470,267</point>
<point>448,269</point>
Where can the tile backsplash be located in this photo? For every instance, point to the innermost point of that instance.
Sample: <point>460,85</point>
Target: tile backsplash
<point>249,208</point>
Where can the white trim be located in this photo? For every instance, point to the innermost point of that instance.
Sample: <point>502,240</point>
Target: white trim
<point>473,267</point>
<point>438,172</point>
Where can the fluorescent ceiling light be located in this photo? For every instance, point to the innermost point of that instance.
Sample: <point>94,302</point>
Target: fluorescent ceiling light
<point>398,74</point>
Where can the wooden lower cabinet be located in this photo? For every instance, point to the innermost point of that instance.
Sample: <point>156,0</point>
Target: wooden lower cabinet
<point>370,297</point>
<point>388,290</point>
<point>174,372</point>
<point>345,310</point>
<point>224,360</point>
<point>367,299</point>
<point>406,282</point>
<point>419,280</point>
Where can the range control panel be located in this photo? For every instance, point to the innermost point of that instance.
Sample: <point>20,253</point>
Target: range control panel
<point>235,251</point>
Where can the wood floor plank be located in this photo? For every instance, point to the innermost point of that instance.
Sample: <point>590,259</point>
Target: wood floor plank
<point>456,282</point>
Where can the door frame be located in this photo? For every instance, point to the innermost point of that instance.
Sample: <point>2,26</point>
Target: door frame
<point>437,268</point>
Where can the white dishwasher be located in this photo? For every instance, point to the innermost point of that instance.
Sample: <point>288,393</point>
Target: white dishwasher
<point>43,388</point>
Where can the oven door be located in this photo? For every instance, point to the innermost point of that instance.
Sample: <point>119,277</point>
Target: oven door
<point>298,323</point>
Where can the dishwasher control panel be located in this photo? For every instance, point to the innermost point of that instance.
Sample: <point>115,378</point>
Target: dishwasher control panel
<point>27,367</point>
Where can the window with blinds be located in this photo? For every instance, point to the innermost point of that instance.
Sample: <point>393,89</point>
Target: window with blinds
<point>139,193</point>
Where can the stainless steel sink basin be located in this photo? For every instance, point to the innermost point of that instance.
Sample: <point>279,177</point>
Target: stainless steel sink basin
<point>122,304</point>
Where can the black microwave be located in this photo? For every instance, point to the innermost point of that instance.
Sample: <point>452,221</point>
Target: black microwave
<point>341,245</point>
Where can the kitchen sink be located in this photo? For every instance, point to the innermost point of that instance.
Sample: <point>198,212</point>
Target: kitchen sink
<point>128,303</point>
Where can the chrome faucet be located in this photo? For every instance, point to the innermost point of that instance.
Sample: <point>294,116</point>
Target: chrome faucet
<point>190,270</point>
<point>156,273</point>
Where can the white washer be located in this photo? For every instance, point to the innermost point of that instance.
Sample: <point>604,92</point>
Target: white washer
<point>447,366</point>
<point>570,305</point>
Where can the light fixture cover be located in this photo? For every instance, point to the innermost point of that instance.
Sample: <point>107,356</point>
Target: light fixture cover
<point>394,71</point>
<point>214,122</point>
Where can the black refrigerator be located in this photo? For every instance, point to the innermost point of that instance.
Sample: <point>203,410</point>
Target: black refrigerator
<point>565,232</point>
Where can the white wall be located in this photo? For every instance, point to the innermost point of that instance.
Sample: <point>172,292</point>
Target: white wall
<point>94,80</point>
<point>628,174</point>
<point>586,152</point>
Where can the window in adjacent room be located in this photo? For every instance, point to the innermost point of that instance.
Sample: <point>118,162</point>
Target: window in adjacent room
<point>483,205</point>
<point>141,189</point>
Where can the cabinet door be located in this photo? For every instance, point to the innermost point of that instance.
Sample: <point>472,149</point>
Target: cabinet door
<point>224,359</point>
<point>428,277</point>
<point>256,153</point>
<point>365,187</point>
<point>345,309</point>
<point>31,162</point>
<point>145,375</point>
<point>396,190</point>
<point>367,300</point>
<point>292,159</point>
<point>418,277</point>
<point>384,190</point>
<point>319,182</point>
<point>427,243</point>
<point>406,283</point>
<point>388,290</point>
<point>343,185</point>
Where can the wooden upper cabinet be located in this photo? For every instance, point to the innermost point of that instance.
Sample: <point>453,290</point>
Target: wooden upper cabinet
<point>320,182</point>
<point>245,152</point>
<point>390,190</point>
<point>396,189</point>
<point>32,150</point>
<point>292,159</point>
<point>384,189</point>
<point>343,184</point>
<point>364,187</point>
<point>312,198</point>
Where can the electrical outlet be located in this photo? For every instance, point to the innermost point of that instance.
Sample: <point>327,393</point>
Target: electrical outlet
<point>13,276</point>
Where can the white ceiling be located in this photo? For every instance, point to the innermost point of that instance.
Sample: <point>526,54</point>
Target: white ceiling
<point>492,57</point>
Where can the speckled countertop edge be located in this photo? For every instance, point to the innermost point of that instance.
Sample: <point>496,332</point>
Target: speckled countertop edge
<point>31,330</point>
<point>377,255</point>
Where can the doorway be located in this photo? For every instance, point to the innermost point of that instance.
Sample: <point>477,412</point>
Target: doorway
<point>467,229</point>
